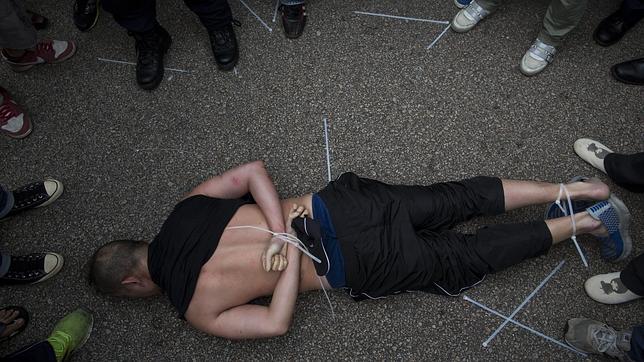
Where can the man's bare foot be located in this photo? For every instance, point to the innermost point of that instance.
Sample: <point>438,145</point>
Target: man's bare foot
<point>12,324</point>
<point>591,189</point>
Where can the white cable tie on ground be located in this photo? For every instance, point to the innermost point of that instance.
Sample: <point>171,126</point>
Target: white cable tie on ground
<point>328,153</point>
<point>277,6</point>
<point>130,63</point>
<point>439,36</point>
<point>402,17</point>
<point>256,16</point>
<point>534,292</point>
<point>559,343</point>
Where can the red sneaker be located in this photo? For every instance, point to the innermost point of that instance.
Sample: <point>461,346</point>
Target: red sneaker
<point>46,51</point>
<point>13,120</point>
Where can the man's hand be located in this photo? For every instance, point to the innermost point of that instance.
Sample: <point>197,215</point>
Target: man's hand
<point>274,258</point>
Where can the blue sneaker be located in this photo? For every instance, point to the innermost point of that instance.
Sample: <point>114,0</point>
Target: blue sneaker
<point>462,4</point>
<point>615,217</point>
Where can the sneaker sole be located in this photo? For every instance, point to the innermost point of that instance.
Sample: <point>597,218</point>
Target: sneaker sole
<point>59,191</point>
<point>22,135</point>
<point>55,271</point>
<point>624,223</point>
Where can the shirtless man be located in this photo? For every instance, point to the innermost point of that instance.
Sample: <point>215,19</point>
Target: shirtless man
<point>373,239</point>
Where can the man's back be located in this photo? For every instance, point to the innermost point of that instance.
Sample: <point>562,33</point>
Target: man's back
<point>234,275</point>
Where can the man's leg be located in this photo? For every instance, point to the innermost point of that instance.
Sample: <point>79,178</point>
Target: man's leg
<point>633,275</point>
<point>626,170</point>
<point>293,17</point>
<point>40,351</point>
<point>443,205</point>
<point>561,18</point>
<point>637,344</point>
<point>139,18</point>
<point>216,17</point>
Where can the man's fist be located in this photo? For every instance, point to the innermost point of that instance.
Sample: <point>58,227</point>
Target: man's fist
<point>274,258</point>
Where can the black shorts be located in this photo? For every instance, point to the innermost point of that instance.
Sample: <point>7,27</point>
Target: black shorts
<point>397,238</point>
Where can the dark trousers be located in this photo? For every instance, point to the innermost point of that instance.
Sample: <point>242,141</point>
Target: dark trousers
<point>637,344</point>
<point>141,15</point>
<point>633,275</point>
<point>626,170</point>
<point>41,352</point>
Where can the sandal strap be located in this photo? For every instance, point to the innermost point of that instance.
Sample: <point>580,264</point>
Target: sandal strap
<point>542,50</point>
<point>476,11</point>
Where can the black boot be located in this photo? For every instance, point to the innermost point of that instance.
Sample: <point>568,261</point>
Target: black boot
<point>85,14</point>
<point>151,46</point>
<point>631,72</point>
<point>615,26</point>
<point>224,47</point>
<point>293,20</point>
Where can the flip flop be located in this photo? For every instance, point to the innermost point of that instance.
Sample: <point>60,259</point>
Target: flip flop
<point>22,314</point>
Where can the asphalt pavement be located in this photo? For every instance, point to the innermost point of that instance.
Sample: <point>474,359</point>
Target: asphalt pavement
<point>397,111</point>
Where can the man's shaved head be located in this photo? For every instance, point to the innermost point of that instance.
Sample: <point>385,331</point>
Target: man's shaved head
<point>115,261</point>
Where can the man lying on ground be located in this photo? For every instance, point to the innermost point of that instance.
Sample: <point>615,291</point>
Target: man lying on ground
<point>212,257</point>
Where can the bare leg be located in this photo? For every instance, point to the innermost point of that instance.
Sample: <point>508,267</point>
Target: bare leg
<point>561,228</point>
<point>524,193</point>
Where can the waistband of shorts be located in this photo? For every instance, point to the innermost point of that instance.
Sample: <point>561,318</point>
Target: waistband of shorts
<point>336,273</point>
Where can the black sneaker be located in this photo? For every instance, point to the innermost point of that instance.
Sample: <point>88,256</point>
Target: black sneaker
<point>37,194</point>
<point>293,20</point>
<point>224,47</point>
<point>151,46</point>
<point>32,268</point>
<point>86,14</point>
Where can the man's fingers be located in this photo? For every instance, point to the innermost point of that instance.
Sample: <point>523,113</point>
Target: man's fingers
<point>266,263</point>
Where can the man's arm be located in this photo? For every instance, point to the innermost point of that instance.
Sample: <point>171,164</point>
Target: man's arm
<point>254,321</point>
<point>250,177</point>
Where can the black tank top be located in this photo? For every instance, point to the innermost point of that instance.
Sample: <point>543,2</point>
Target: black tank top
<point>187,240</point>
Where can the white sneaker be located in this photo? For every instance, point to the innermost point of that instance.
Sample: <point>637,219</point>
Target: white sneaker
<point>467,18</point>
<point>609,289</point>
<point>537,58</point>
<point>592,152</point>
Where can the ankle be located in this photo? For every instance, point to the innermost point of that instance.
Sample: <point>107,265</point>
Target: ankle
<point>586,224</point>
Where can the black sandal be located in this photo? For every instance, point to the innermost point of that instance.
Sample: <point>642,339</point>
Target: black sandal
<point>22,314</point>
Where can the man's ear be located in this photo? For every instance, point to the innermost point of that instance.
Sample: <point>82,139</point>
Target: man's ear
<point>130,280</point>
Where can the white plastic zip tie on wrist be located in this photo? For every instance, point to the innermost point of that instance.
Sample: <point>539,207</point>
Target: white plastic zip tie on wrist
<point>298,244</point>
<point>284,236</point>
